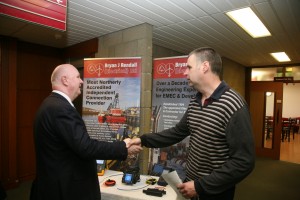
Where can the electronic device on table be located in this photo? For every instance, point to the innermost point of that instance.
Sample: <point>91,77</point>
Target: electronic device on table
<point>154,192</point>
<point>131,175</point>
<point>100,167</point>
<point>159,170</point>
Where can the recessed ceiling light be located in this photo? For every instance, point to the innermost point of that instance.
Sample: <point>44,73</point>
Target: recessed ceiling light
<point>280,56</point>
<point>247,19</point>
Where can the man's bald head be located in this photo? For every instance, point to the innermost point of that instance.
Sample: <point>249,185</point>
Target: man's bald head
<point>66,78</point>
<point>59,72</point>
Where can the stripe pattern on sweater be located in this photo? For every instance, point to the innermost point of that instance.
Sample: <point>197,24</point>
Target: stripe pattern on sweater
<point>208,146</point>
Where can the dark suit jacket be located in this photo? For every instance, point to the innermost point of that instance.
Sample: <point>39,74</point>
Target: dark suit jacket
<point>66,155</point>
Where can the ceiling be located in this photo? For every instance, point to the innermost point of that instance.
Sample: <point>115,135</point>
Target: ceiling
<point>181,25</point>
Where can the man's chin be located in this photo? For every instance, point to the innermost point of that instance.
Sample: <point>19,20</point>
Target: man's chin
<point>191,85</point>
<point>78,93</point>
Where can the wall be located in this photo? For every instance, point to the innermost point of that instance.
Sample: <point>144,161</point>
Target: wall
<point>234,75</point>
<point>161,52</point>
<point>8,129</point>
<point>35,65</point>
<point>291,97</point>
<point>25,82</point>
<point>134,42</point>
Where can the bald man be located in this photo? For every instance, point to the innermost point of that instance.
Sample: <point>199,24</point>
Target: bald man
<point>65,154</point>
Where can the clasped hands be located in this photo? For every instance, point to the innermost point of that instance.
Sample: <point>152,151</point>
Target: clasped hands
<point>133,145</point>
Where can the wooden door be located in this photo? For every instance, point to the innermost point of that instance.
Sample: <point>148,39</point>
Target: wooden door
<point>266,110</point>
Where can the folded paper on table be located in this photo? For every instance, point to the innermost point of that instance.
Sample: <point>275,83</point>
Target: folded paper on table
<point>173,180</point>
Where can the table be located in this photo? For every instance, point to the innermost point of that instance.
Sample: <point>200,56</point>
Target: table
<point>130,192</point>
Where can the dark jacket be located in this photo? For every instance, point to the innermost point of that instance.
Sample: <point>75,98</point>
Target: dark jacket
<point>66,155</point>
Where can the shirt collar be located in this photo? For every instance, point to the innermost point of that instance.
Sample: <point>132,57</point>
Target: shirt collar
<point>64,95</point>
<point>217,93</point>
<point>220,90</point>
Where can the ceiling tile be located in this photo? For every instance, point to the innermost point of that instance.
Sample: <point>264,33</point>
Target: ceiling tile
<point>180,25</point>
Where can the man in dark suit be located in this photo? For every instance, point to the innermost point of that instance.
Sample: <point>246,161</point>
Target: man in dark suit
<point>65,154</point>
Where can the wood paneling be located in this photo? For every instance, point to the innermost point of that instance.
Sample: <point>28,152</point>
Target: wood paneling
<point>35,65</point>
<point>84,49</point>
<point>25,81</point>
<point>8,112</point>
<point>25,73</point>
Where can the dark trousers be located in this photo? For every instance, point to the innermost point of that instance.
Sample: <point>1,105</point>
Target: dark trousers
<point>226,195</point>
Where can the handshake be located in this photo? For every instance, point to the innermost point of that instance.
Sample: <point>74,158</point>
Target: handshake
<point>133,145</point>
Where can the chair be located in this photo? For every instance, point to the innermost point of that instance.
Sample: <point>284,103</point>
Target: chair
<point>286,129</point>
<point>295,125</point>
<point>269,126</point>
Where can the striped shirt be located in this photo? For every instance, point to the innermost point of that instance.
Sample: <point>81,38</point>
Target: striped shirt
<point>221,144</point>
<point>207,124</point>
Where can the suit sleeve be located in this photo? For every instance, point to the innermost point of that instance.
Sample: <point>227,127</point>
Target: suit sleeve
<point>73,131</point>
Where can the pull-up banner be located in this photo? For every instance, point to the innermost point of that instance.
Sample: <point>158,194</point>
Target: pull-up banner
<point>111,98</point>
<point>170,98</point>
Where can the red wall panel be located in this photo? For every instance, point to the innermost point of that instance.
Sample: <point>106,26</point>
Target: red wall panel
<point>48,13</point>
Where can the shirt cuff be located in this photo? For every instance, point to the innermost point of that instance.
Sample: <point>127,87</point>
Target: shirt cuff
<point>198,187</point>
<point>143,140</point>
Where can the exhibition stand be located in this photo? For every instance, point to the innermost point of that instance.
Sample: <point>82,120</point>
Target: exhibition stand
<point>119,190</point>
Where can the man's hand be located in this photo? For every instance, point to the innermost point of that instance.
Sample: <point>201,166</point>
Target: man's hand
<point>128,142</point>
<point>136,141</point>
<point>134,149</point>
<point>187,189</point>
<point>133,146</point>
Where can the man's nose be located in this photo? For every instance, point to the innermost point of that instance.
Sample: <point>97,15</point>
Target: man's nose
<point>185,71</point>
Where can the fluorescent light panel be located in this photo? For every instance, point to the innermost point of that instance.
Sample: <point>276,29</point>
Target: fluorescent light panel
<point>247,19</point>
<point>281,56</point>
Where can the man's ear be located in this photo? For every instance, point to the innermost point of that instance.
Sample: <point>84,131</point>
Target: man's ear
<point>206,66</point>
<point>64,80</point>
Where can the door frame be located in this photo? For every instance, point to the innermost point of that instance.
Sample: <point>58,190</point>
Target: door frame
<point>257,110</point>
